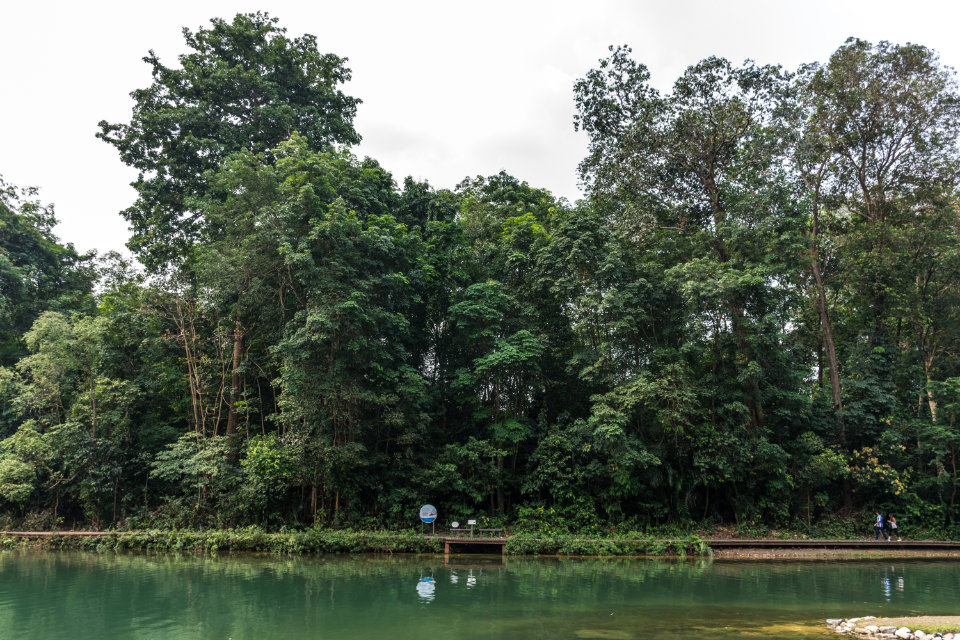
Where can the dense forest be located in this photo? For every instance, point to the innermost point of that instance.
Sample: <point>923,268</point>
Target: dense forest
<point>752,316</point>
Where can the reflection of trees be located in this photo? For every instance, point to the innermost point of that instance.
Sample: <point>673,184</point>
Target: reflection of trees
<point>207,592</point>
<point>212,592</point>
<point>248,565</point>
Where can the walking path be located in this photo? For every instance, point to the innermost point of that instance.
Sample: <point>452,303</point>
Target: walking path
<point>913,545</point>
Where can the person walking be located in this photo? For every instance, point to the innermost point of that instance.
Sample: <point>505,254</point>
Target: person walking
<point>878,529</point>
<point>894,529</point>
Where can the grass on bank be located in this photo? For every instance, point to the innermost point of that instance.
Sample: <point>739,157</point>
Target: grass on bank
<point>250,539</point>
<point>254,539</point>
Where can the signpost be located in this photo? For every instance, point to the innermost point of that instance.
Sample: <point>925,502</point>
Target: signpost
<point>428,514</point>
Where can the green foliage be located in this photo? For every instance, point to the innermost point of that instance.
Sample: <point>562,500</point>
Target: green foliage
<point>620,545</point>
<point>250,539</point>
<point>244,85</point>
<point>750,321</point>
<point>22,456</point>
<point>196,466</point>
<point>37,273</point>
<point>266,460</point>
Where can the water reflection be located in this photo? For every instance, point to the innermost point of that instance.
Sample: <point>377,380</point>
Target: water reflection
<point>892,579</point>
<point>67,596</point>
<point>460,575</point>
<point>470,579</point>
<point>426,588</point>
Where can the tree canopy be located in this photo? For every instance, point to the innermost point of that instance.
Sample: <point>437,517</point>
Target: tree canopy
<point>751,317</point>
<point>245,86</point>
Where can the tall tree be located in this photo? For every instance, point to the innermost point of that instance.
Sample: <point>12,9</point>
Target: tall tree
<point>37,272</point>
<point>244,86</point>
<point>878,150</point>
<point>699,165</point>
<point>814,160</point>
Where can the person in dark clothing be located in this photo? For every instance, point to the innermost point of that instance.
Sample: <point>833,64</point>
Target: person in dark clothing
<point>894,529</point>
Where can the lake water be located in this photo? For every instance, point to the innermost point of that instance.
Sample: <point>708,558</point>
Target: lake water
<point>75,596</point>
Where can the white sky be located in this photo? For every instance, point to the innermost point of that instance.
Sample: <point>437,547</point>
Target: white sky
<point>449,89</point>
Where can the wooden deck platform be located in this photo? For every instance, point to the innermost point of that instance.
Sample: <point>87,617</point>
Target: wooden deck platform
<point>912,545</point>
<point>496,545</point>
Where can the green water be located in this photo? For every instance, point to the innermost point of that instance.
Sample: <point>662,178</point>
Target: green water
<point>105,596</point>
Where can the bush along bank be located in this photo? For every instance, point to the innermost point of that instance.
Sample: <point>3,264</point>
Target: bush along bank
<point>347,541</point>
<point>616,546</point>
<point>249,539</point>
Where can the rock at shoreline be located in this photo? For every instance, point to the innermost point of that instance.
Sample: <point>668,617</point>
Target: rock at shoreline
<point>885,631</point>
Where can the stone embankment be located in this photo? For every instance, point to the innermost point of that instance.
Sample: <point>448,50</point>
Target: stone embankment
<point>872,627</point>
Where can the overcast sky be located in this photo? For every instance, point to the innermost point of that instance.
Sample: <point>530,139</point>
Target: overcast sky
<point>449,89</point>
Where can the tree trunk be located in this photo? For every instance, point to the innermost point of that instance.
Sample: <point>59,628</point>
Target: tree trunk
<point>500,485</point>
<point>93,403</point>
<point>193,378</point>
<point>238,334</point>
<point>953,461</point>
<point>931,400</point>
<point>847,489</point>
<point>814,182</point>
<point>828,346</point>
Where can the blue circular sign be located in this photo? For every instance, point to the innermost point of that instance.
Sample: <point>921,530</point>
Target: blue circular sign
<point>428,513</point>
